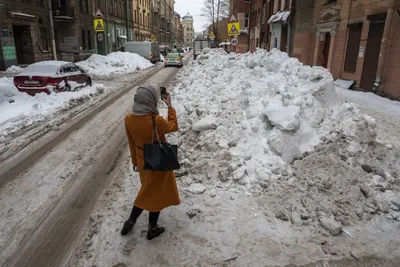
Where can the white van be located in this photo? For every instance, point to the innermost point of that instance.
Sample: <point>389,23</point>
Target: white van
<point>150,51</point>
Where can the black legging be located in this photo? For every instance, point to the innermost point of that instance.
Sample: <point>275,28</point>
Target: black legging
<point>153,216</point>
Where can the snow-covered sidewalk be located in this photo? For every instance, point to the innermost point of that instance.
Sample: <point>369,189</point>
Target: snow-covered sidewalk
<point>19,110</point>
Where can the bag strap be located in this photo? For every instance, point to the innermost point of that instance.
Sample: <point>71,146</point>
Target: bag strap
<point>154,130</point>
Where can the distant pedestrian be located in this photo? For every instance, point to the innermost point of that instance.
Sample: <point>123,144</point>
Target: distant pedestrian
<point>158,188</point>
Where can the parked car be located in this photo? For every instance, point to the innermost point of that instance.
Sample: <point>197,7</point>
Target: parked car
<point>51,76</point>
<point>164,50</point>
<point>150,51</point>
<point>173,59</point>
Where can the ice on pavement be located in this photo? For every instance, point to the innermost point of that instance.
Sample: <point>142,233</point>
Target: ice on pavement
<point>245,118</point>
<point>115,63</point>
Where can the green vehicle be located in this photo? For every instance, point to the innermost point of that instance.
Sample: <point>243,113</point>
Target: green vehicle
<point>173,59</point>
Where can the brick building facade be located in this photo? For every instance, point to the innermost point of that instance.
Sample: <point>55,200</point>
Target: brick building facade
<point>259,27</point>
<point>355,40</point>
<point>241,10</point>
<point>26,31</point>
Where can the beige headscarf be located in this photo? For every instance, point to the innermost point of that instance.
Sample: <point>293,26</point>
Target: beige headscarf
<point>145,101</point>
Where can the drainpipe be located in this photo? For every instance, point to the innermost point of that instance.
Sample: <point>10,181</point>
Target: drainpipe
<point>106,29</point>
<point>53,41</point>
<point>384,44</point>
<point>127,20</point>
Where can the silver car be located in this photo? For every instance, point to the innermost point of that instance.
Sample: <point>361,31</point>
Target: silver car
<point>173,59</point>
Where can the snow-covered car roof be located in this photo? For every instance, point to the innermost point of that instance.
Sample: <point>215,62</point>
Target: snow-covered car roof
<point>43,68</point>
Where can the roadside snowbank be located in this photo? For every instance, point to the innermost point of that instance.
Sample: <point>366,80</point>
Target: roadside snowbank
<point>7,89</point>
<point>19,110</point>
<point>257,122</point>
<point>266,110</point>
<point>116,63</point>
<point>14,69</point>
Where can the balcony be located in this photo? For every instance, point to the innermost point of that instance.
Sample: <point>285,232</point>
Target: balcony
<point>64,13</point>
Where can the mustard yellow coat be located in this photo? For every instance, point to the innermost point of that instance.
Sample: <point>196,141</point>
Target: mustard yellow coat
<point>159,189</point>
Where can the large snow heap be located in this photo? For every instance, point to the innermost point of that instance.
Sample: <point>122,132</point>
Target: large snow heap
<point>244,118</point>
<point>115,63</point>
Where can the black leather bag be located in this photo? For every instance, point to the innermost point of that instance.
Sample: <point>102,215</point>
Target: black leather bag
<point>160,156</point>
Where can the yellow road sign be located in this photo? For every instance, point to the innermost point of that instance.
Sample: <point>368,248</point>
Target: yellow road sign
<point>99,25</point>
<point>212,35</point>
<point>153,38</point>
<point>233,29</point>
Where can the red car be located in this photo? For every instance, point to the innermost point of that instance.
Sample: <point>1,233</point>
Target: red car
<point>51,76</point>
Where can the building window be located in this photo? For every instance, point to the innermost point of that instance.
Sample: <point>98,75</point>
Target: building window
<point>81,5</point>
<point>330,1</point>
<point>83,40</point>
<point>43,38</point>
<point>39,2</point>
<point>287,3</point>
<point>89,35</point>
<point>248,1</point>
<point>353,44</point>
<point>246,20</point>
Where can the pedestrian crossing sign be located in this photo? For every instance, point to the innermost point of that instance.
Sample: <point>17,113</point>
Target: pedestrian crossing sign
<point>212,35</point>
<point>233,29</point>
<point>153,38</point>
<point>99,25</point>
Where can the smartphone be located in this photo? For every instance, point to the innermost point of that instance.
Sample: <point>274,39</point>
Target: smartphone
<point>163,91</point>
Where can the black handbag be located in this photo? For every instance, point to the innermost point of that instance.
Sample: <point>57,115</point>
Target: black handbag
<point>160,156</point>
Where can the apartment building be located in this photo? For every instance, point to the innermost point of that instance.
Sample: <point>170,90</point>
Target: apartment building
<point>25,35</point>
<point>188,30</point>
<point>355,40</point>
<point>259,27</point>
<point>142,17</point>
<point>178,30</point>
<point>241,10</point>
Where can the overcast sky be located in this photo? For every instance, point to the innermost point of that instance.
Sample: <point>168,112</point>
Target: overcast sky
<point>194,7</point>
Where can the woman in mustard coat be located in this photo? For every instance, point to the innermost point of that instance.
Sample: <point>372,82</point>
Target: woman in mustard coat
<point>159,189</point>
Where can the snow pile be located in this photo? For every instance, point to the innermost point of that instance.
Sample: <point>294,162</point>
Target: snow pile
<point>14,69</point>
<point>7,90</point>
<point>116,63</point>
<point>245,118</point>
<point>19,110</point>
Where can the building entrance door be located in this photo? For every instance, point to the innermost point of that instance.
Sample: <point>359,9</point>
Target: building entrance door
<point>372,56</point>
<point>23,44</point>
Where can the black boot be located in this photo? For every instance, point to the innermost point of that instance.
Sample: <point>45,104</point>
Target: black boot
<point>128,225</point>
<point>154,231</point>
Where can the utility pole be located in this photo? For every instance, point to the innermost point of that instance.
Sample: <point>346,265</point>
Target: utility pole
<point>53,41</point>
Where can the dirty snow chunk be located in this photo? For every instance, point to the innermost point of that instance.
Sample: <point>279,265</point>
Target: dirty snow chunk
<point>284,144</point>
<point>14,69</point>
<point>331,225</point>
<point>207,123</point>
<point>116,63</point>
<point>7,90</point>
<point>196,188</point>
<point>284,117</point>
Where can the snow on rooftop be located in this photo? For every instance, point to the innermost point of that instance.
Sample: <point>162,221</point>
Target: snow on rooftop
<point>279,16</point>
